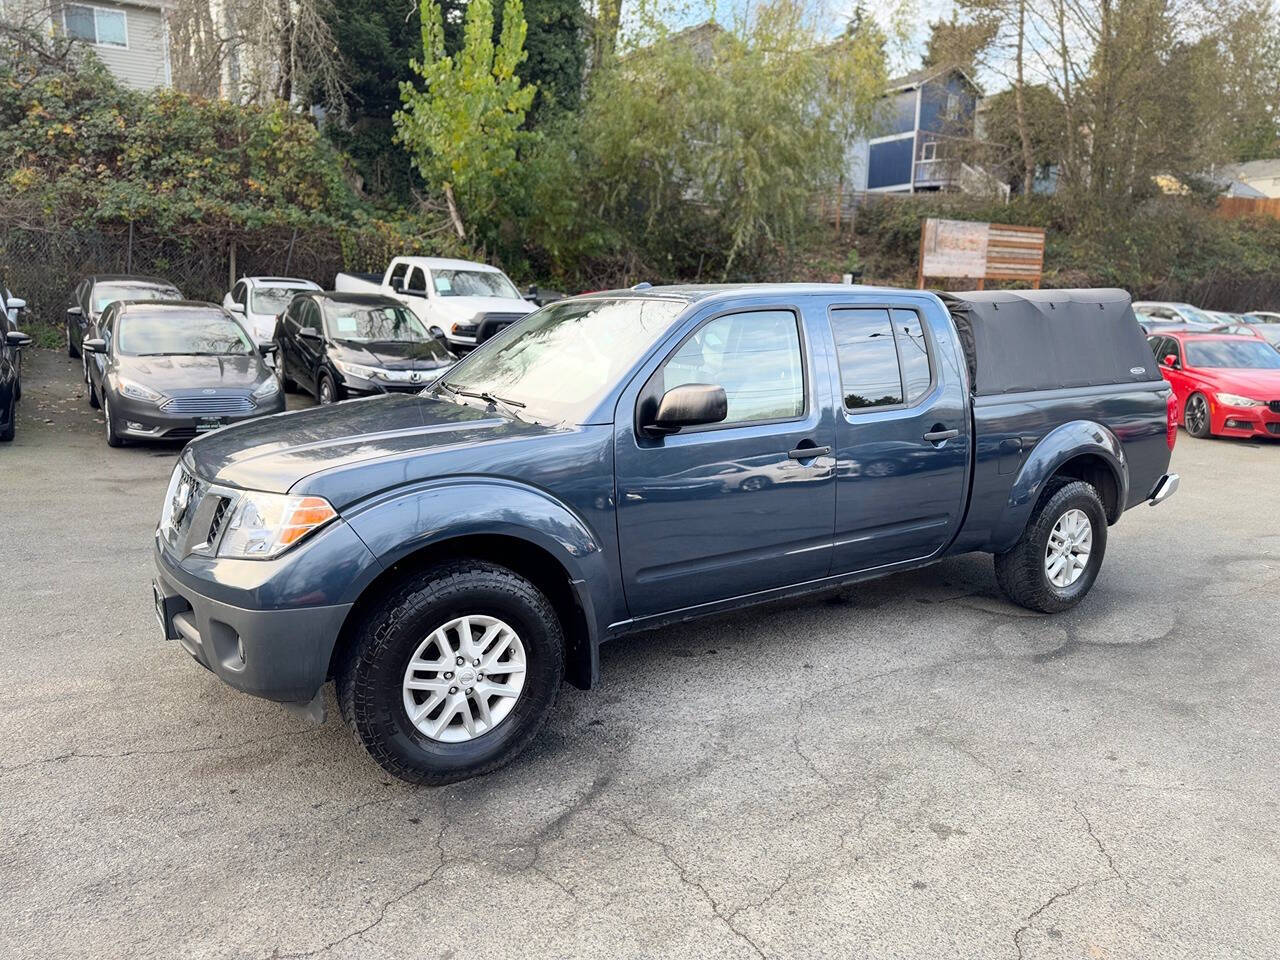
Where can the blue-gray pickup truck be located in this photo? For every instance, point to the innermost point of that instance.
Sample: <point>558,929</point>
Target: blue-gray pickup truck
<point>626,460</point>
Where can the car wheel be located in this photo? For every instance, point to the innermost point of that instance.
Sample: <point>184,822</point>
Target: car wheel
<point>286,383</point>
<point>10,428</point>
<point>113,439</point>
<point>93,394</point>
<point>452,674</point>
<point>71,347</point>
<point>1057,558</point>
<point>1196,416</point>
<point>326,391</point>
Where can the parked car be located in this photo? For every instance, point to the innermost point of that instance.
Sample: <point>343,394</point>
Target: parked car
<point>261,300</point>
<point>340,345</point>
<point>12,340</point>
<point>174,369</point>
<point>11,308</point>
<point>1157,315</point>
<point>447,557</point>
<point>1224,385</point>
<point>1270,332</point>
<point>469,302</point>
<point>1262,316</point>
<point>93,294</point>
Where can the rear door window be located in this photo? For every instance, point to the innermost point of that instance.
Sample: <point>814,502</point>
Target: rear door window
<point>883,356</point>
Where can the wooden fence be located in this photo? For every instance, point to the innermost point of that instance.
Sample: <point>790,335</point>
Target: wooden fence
<point>1235,208</point>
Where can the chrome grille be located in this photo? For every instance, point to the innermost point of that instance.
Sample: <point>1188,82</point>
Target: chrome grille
<point>208,406</point>
<point>219,517</point>
<point>181,501</point>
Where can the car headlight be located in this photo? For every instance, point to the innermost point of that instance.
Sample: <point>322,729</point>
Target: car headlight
<point>265,525</point>
<point>359,371</point>
<point>267,388</point>
<point>1235,400</point>
<point>137,391</point>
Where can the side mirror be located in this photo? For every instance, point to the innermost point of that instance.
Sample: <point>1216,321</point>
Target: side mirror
<point>16,338</point>
<point>235,307</point>
<point>437,332</point>
<point>94,345</point>
<point>17,303</point>
<point>267,349</point>
<point>399,284</point>
<point>689,405</point>
<point>74,312</point>
<point>309,333</point>
<point>1170,360</point>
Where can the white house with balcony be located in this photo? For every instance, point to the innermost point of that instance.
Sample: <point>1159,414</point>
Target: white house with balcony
<point>130,37</point>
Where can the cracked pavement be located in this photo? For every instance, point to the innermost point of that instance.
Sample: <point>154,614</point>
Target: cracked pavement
<point>909,768</point>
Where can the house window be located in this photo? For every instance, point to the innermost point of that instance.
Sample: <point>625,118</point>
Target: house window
<point>96,25</point>
<point>929,150</point>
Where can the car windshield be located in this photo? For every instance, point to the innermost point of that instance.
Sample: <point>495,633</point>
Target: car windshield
<point>561,361</point>
<point>473,283</point>
<point>363,323</point>
<point>105,294</point>
<point>1242,354</point>
<point>1196,315</point>
<point>202,333</point>
<point>272,300</point>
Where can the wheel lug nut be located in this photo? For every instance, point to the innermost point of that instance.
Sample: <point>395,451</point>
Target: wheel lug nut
<point>453,690</point>
<point>469,691</point>
<point>449,675</point>
<point>475,662</point>
<point>460,661</point>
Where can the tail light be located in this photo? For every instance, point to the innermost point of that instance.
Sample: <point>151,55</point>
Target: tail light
<point>1171,420</point>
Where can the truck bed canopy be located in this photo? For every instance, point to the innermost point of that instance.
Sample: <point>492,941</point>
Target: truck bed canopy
<point>1020,340</point>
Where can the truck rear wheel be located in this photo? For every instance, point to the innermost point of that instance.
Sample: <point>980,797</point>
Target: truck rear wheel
<point>453,673</point>
<point>1057,558</point>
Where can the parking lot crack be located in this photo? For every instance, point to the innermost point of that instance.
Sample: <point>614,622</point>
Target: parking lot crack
<point>1031,917</point>
<point>1106,855</point>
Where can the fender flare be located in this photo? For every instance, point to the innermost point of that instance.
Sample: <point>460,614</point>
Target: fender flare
<point>408,520</point>
<point>1061,445</point>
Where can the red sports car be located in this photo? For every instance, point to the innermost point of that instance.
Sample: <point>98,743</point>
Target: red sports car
<point>1223,384</point>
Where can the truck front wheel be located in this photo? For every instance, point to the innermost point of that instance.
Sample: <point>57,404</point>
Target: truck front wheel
<point>453,673</point>
<point>1057,558</point>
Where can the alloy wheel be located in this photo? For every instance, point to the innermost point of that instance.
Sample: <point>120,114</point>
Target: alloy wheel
<point>464,679</point>
<point>1067,553</point>
<point>326,390</point>
<point>1197,414</point>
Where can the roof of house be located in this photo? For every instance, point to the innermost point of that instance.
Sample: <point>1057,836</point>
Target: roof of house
<point>1252,170</point>
<point>919,77</point>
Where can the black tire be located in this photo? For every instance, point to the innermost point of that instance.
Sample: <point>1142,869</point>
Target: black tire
<point>326,389</point>
<point>113,439</point>
<point>1021,571</point>
<point>93,395</point>
<point>10,429</point>
<point>371,672</point>
<point>1196,417</point>
<point>287,384</point>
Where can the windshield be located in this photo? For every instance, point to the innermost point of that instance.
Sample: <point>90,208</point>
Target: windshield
<point>1243,354</point>
<point>473,283</point>
<point>366,324</point>
<point>182,334</point>
<point>105,294</point>
<point>273,300</point>
<point>562,360</point>
<point>1195,314</point>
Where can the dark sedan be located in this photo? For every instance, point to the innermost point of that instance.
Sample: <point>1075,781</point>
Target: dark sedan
<point>171,370</point>
<point>339,345</point>
<point>12,340</point>
<point>93,295</point>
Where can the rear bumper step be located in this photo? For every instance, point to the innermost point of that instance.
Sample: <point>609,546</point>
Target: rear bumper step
<point>1165,488</point>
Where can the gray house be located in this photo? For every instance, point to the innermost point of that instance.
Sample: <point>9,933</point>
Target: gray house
<point>131,37</point>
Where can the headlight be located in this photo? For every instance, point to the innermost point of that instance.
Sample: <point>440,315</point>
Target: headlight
<point>1235,400</point>
<point>267,388</point>
<point>265,525</point>
<point>137,391</point>
<point>356,370</point>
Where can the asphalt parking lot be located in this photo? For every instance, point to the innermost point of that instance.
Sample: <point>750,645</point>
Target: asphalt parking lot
<point>911,768</point>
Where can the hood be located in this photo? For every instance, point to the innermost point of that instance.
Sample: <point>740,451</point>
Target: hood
<point>458,309</point>
<point>274,453</point>
<point>393,354</point>
<point>1258,384</point>
<point>180,375</point>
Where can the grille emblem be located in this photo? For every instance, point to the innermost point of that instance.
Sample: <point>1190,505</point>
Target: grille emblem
<point>415,376</point>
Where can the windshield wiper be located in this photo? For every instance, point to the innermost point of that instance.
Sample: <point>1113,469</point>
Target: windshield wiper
<point>484,395</point>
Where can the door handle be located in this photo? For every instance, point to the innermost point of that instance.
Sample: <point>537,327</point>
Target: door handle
<point>808,453</point>
<point>937,436</point>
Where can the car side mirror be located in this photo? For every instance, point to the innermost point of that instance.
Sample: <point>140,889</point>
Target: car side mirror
<point>17,303</point>
<point>1170,360</point>
<point>398,284</point>
<point>309,333</point>
<point>437,333</point>
<point>235,306</point>
<point>689,405</point>
<point>74,311</point>
<point>94,345</point>
<point>16,338</point>
<point>267,349</point>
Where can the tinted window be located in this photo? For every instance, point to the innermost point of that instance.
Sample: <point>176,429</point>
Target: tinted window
<point>754,356</point>
<point>271,299</point>
<point>473,283</point>
<point>1243,354</point>
<point>870,375</point>
<point>417,280</point>
<point>562,360</point>
<point>398,272</point>
<point>913,353</point>
<point>181,333</point>
<point>107,293</point>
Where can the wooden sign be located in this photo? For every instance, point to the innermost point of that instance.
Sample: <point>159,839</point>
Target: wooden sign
<point>980,252</point>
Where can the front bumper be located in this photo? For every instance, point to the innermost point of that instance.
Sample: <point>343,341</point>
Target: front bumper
<point>141,420</point>
<point>281,654</point>
<point>1231,421</point>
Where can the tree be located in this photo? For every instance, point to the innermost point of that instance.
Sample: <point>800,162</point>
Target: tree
<point>462,128</point>
<point>957,43</point>
<point>557,56</point>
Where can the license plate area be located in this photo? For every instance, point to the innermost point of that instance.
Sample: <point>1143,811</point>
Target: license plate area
<point>205,424</point>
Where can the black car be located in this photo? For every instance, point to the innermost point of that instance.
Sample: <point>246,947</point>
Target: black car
<point>339,345</point>
<point>12,341</point>
<point>173,369</point>
<point>93,294</point>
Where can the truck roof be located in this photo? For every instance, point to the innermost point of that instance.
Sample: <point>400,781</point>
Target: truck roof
<point>445,263</point>
<point>701,291</point>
